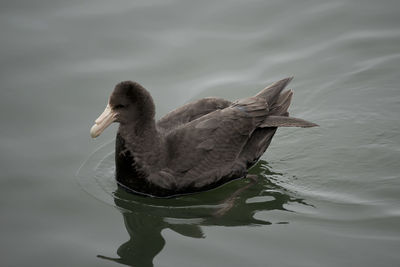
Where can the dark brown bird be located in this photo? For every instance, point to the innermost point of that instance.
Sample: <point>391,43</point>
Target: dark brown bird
<point>196,147</point>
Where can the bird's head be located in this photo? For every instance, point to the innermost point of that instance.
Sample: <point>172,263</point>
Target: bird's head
<point>129,103</point>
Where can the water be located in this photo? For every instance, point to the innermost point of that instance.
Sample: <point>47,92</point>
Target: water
<point>326,196</point>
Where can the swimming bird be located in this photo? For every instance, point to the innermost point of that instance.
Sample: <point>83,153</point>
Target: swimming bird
<point>196,147</point>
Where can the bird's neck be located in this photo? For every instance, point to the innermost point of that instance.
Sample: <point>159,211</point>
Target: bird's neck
<point>144,143</point>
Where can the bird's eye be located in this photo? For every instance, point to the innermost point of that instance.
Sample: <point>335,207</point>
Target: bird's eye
<point>119,106</point>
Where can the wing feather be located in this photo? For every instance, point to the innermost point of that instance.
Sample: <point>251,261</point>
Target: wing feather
<point>207,153</point>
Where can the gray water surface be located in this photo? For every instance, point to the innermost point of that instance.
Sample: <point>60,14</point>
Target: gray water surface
<point>327,196</point>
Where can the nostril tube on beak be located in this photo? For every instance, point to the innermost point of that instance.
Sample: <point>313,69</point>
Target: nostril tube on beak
<point>103,121</point>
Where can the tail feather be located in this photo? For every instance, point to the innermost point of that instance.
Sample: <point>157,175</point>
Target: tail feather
<point>275,115</point>
<point>281,121</point>
<point>271,93</point>
<point>282,104</point>
<point>270,107</point>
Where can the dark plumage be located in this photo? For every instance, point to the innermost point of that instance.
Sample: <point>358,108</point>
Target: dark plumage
<point>196,147</point>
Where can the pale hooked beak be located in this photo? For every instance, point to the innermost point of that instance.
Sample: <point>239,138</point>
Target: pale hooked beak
<point>103,121</point>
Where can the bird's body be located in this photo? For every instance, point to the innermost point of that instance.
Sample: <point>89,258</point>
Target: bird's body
<point>199,146</point>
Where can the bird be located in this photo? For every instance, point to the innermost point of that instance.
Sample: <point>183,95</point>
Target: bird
<point>197,147</point>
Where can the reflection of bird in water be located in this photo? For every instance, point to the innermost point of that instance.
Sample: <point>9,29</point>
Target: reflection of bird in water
<point>186,215</point>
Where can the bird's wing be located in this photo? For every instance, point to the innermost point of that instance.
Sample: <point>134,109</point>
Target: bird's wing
<point>190,112</point>
<point>207,149</point>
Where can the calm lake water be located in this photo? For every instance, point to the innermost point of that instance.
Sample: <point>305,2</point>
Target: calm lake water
<point>327,196</point>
